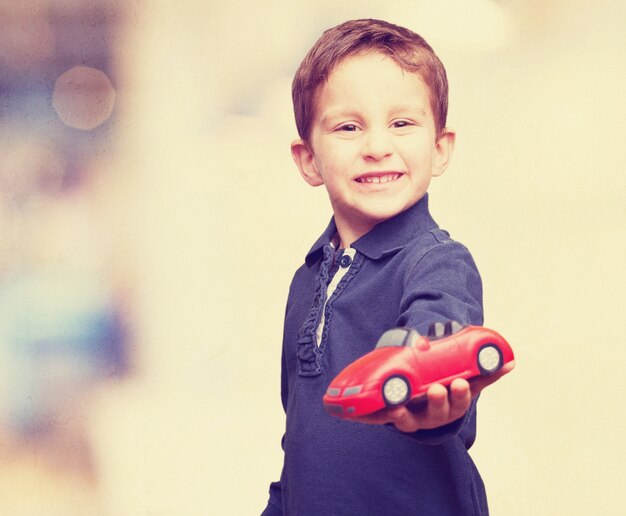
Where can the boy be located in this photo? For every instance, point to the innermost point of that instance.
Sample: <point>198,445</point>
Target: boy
<point>370,101</point>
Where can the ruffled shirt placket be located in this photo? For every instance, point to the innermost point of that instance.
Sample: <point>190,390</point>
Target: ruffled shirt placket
<point>344,266</point>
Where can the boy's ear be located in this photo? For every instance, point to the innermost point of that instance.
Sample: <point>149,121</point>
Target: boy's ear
<point>444,147</point>
<point>303,156</point>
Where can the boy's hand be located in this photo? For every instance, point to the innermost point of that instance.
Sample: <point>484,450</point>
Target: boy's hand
<point>441,406</point>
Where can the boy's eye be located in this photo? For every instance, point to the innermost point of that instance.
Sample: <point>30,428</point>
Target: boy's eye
<point>401,123</point>
<point>347,127</point>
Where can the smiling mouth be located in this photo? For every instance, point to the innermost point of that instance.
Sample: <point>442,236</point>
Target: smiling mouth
<point>378,178</point>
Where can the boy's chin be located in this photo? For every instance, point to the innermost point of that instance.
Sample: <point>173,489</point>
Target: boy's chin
<point>382,212</point>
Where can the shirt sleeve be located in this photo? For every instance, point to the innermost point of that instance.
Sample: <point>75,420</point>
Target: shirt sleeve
<point>443,284</point>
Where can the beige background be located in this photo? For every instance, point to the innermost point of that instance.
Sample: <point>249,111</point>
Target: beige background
<point>218,220</point>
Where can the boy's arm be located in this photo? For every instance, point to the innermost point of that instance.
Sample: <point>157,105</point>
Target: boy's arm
<point>443,285</point>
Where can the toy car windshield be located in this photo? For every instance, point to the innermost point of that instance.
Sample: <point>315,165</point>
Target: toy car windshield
<point>397,337</point>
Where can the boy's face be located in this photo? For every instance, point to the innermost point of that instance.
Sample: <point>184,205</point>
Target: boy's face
<point>373,143</point>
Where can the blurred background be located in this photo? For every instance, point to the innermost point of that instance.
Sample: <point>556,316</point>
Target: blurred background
<point>151,220</point>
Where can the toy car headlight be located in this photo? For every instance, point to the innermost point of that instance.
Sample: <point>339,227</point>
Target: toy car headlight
<point>351,391</point>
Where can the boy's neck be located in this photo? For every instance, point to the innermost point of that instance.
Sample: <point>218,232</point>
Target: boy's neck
<point>349,233</point>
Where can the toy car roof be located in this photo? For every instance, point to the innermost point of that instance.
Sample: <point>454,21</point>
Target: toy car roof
<point>438,330</point>
<point>397,337</point>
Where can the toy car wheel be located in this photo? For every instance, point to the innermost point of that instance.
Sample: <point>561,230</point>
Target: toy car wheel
<point>489,358</point>
<point>396,390</point>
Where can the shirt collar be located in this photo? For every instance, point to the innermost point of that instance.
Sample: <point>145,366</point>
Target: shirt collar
<point>385,238</point>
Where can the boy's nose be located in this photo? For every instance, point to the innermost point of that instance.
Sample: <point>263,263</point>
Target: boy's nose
<point>377,145</point>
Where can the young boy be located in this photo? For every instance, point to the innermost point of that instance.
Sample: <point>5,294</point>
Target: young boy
<point>370,102</point>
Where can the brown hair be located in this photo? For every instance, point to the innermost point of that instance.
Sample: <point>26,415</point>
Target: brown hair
<point>408,49</point>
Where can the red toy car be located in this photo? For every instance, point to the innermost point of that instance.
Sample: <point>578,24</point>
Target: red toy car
<point>405,364</point>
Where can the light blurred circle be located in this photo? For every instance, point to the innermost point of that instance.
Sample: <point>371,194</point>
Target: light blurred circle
<point>83,97</point>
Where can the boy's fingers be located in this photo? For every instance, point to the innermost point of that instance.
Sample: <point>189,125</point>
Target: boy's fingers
<point>480,382</point>
<point>460,398</point>
<point>403,419</point>
<point>459,388</point>
<point>438,405</point>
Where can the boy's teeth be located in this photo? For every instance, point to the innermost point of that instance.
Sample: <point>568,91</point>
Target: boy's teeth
<point>378,179</point>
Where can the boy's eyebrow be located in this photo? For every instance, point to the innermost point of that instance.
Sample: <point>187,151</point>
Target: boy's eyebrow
<point>409,107</point>
<point>337,114</point>
<point>400,108</point>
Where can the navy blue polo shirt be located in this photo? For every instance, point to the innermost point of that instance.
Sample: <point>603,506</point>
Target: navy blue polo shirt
<point>405,272</point>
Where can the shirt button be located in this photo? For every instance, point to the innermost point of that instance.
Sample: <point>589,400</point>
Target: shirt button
<point>345,261</point>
